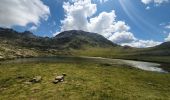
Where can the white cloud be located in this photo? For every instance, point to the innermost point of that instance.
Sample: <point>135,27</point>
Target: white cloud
<point>102,1</point>
<point>147,8</point>
<point>80,16</point>
<point>56,33</point>
<point>103,24</point>
<point>143,43</point>
<point>127,38</point>
<point>122,37</point>
<point>77,14</point>
<point>167,26</point>
<point>121,26</point>
<point>157,2</point>
<point>168,38</point>
<point>33,28</point>
<point>22,12</point>
<point>146,1</point>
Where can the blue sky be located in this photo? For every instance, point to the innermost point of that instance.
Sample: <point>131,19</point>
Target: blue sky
<point>139,23</point>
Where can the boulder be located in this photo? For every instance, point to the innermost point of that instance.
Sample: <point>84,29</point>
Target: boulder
<point>59,78</point>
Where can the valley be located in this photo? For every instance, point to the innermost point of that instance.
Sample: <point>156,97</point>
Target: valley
<point>90,62</point>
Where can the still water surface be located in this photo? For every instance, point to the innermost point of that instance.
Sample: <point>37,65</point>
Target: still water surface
<point>148,66</point>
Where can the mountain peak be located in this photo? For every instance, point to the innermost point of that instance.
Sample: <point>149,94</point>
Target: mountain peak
<point>79,38</point>
<point>28,34</point>
<point>10,33</point>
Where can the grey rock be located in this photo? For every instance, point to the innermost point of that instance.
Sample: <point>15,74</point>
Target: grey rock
<point>55,81</point>
<point>59,78</point>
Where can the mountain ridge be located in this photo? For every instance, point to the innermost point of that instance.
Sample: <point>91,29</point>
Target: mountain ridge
<point>71,39</point>
<point>24,44</point>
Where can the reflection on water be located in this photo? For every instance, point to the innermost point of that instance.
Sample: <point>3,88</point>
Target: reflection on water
<point>145,65</point>
<point>137,64</point>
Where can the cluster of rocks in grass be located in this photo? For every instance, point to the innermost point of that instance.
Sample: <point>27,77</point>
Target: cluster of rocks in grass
<point>38,79</point>
<point>59,78</point>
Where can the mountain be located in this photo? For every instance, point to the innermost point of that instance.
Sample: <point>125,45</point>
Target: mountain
<point>161,50</point>
<point>78,39</point>
<point>74,42</point>
<point>69,39</point>
<point>165,45</point>
<point>23,44</point>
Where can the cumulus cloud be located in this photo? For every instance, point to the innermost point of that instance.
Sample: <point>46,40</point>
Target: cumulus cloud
<point>157,2</point>
<point>142,43</point>
<point>79,15</point>
<point>127,38</point>
<point>103,23</point>
<point>168,38</point>
<point>22,12</point>
<point>122,37</point>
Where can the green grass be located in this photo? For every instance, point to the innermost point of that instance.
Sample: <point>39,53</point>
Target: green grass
<point>118,52</point>
<point>84,81</point>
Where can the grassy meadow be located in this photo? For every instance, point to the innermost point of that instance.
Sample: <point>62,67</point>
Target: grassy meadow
<point>84,81</point>
<point>123,53</point>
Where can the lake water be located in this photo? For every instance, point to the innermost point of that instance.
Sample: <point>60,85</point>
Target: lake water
<point>148,66</point>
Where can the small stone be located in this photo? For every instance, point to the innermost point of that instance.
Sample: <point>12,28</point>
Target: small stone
<point>59,78</point>
<point>55,81</point>
<point>36,79</point>
<point>149,83</point>
<point>27,83</point>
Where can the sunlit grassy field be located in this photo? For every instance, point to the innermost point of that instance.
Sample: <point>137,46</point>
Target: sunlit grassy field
<point>84,81</point>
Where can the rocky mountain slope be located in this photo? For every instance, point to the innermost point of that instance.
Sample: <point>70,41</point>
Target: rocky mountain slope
<point>15,44</point>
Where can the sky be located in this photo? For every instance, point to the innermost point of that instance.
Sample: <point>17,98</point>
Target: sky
<point>137,23</point>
